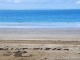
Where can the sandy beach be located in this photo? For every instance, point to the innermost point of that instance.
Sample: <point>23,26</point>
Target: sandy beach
<point>39,29</point>
<point>39,43</point>
<point>62,34</point>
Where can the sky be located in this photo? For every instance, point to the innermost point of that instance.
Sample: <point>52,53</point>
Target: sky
<point>39,4</point>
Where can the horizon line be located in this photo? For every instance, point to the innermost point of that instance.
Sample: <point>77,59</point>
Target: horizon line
<point>39,9</point>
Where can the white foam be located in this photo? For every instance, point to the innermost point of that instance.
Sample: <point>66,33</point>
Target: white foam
<point>40,25</point>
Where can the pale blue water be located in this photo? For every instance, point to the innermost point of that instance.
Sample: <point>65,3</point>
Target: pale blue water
<point>43,18</point>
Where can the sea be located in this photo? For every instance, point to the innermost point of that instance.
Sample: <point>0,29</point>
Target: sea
<point>39,18</point>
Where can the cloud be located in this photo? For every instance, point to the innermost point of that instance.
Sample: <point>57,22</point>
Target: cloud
<point>78,2</point>
<point>39,4</point>
<point>32,1</point>
<point>10,1</point>
<point>39,1</point>
<point>17,1</point>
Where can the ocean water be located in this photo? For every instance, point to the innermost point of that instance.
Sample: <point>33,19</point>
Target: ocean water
<point>41,17</point>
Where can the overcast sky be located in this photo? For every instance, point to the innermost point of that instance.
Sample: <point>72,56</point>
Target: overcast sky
<point>39,4</point>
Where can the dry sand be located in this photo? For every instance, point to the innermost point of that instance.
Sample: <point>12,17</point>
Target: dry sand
<point>40,44</point>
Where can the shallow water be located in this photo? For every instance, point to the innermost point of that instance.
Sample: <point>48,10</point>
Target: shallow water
<point>40,25</point>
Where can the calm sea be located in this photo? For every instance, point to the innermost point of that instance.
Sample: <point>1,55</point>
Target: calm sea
<point>42,18</point>
<point>39,16</point>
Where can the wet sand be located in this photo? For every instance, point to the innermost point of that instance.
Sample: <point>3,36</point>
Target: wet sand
<point>40,44</point>
<point>63,34</point>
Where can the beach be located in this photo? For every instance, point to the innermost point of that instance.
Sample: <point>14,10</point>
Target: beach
<point>39,29</point>
<point>62,34</point>
<point>40,43</point>
<point>40,34</point>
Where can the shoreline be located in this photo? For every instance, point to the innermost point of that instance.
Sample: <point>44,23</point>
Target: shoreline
<point>40,25</point>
